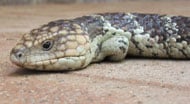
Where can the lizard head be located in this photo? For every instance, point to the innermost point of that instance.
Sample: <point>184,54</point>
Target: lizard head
<point>58,45</point>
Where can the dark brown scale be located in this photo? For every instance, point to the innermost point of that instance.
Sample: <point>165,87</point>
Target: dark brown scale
<point>184,27</point>
<point>162,26</point>
<point>152,24</point>
<point>93,25</point>
<point>120,20</point>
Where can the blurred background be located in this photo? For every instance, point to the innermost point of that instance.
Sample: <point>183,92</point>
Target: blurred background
<point>20,2</point>
<point>23,15</point>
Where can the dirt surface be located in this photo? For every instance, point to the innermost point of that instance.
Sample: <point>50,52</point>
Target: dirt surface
<point>133,81</point>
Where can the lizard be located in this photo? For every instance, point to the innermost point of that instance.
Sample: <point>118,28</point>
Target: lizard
<point>71,44</point>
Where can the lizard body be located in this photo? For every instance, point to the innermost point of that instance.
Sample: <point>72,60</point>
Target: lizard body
<point>75,43</point>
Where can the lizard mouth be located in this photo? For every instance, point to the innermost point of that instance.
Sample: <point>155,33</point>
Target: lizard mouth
<point>52,61</point>
<point>64,63</point>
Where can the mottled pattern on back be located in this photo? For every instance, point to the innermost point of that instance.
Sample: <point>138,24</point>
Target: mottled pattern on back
<point>154,24</point>
<point>161,35</point>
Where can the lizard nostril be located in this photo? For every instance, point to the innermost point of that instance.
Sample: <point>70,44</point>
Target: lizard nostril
<point>19,55</point>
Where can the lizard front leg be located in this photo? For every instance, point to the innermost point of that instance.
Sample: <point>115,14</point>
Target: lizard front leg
<point>113,49</point>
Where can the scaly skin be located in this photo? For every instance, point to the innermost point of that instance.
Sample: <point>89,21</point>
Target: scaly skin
<point>74,44</point>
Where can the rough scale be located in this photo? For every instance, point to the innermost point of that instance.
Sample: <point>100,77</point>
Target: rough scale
<point>74,44</point>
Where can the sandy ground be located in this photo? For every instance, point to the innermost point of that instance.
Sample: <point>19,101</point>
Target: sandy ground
<point>133,81</point>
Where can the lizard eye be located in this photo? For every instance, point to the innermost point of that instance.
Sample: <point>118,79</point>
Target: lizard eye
<point>47,45</point>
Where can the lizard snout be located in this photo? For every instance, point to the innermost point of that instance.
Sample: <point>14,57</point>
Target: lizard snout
<point>17,55</point>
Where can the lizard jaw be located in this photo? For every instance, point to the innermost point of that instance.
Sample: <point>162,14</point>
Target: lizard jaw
<point>66,63</point>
